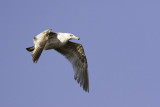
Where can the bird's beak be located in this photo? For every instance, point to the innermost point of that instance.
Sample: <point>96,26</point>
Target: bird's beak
<point>74,37</point>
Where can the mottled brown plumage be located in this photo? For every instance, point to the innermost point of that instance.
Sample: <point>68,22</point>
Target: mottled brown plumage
<point>40,42</point>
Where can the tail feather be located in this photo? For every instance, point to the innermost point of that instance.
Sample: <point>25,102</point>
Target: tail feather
<point>30,49</point>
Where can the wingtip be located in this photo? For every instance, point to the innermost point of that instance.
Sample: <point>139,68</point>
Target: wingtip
<point>34,61</point>
<point>87,90</point>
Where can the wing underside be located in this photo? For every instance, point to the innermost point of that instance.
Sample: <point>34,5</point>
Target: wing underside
<point>75,54</point>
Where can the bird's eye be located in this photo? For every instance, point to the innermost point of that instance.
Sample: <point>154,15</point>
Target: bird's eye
<point>71,35</point>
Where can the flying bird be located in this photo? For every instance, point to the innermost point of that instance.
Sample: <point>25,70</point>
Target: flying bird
<point>60,42</point>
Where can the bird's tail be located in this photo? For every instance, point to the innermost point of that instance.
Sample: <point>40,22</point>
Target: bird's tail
<point>30,49</point>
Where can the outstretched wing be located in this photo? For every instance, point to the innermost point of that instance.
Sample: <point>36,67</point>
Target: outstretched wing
<point>40,42</point>
<point>75,54</point>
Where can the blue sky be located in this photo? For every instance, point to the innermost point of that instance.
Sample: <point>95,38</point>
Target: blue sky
<point>121,39</point>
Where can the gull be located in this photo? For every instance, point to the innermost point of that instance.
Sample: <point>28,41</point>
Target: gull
<point>60,42</point>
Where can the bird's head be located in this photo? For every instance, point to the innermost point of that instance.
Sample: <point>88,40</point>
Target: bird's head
<point>63,37</point>
<point>74,37</point>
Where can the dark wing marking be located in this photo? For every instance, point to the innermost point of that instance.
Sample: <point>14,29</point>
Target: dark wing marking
<point>39,46</point>
<point>30,49</point>
<point>75,54</point>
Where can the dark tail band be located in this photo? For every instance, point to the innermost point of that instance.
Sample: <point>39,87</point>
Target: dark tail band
<point>30,49</point>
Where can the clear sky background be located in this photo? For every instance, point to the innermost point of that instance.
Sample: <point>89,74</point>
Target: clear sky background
<point>121,39</point>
